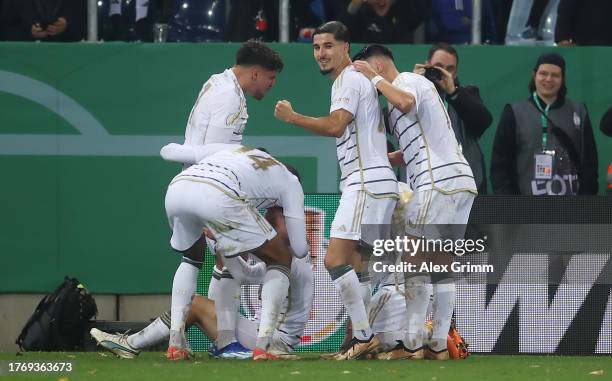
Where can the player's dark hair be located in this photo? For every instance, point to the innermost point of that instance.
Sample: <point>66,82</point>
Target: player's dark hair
<point>338,29</point>
<point>448,48</point>
<point>294,172</point>
<point>373,50</point>
<point>262,150</point>
<point>254,52</point>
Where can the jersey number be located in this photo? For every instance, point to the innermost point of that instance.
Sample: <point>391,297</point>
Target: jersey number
<point>263,163</point>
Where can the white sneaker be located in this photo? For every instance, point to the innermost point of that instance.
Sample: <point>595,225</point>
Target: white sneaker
<point>116,344</point>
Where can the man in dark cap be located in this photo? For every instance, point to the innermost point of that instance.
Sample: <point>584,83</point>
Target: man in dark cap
<point>544,145</point>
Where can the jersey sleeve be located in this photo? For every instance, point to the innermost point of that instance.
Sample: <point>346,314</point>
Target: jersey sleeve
<point>189,154</point>
<point>292,201</point>
<point>347,93</point>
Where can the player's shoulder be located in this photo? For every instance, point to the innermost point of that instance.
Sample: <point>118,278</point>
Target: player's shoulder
<point>221,83</point>
<point>350,78</point>
<point>411,78</point>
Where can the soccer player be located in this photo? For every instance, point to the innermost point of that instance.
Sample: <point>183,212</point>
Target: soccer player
<point>368,184</point>
<point>219,115</point>
<point>443,186</point>
<point>215,194</point>
<point>287,334</point>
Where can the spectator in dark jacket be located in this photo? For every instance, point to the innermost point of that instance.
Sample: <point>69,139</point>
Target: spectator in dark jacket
<point>43,20</point>
<point>384,21</point>
<point>544,145</point>
<point>469,116</point>
<point>584,22</point>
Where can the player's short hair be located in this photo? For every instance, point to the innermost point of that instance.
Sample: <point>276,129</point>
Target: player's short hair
<point>254,52</point>
<point>338,29</point>
<point>373,50</point>
<point>448,48</point>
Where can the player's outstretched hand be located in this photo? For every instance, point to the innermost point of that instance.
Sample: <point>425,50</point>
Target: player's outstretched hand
<point>283,111</point>
<point>365,68</point>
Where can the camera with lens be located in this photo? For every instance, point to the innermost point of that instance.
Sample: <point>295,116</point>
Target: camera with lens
<point>433,74</point>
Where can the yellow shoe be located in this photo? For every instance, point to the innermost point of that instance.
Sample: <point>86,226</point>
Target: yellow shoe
<point>401,353</point>
<point>330,356</point>
<point>430,354</point>
<point>360,349</point>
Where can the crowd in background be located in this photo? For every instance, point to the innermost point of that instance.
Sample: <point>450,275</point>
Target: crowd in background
<point>577,22</point>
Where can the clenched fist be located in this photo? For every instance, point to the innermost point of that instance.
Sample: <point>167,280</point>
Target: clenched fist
<point>283,111</point>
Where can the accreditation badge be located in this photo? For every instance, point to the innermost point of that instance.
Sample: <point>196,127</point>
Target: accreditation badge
<point>544,165</point>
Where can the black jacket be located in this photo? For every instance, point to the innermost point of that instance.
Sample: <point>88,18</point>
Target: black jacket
<point>506,150</point>
<point>397,26</point>
<point>586,22</point>
<point>470,118</point>
<point>18,16</point>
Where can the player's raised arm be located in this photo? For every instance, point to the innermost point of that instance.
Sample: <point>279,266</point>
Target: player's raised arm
<point>332,125</point>
<point>191,154</point>
<point>179,153</point>
<point>402,100</point>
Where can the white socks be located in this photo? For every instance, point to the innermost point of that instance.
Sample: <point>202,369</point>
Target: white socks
<point>274,291</point>
<point>183,289</point>
<point>150,335</point>
<point>347,284</point>
<point>227,304</point>
<point>417,291</point>
<point>365,289</point>
<point>443,307</point>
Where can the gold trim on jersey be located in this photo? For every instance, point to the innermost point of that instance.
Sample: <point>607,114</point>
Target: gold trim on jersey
<point>430,171</point>
<point>379,306</point>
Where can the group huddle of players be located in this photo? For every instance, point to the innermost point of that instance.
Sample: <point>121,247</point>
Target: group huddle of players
<point>214,202</point>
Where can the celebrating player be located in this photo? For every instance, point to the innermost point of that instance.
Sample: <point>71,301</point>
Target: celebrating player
<point>215,194</point>
<point>219,115</point>
<point>443,185</point>
<point>368,184</point>
<point>287,334</point>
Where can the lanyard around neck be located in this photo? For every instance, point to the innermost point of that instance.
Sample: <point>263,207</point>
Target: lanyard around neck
<point>543,119</point>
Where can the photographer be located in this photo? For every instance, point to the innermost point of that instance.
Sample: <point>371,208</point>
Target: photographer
<point>468,114</point>
<point>43,20</point>
<point>544,145</point>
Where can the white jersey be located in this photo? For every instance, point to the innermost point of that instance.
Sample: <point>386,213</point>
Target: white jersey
<point>362,149</point>
<point>432,155</point>
<point>248,173</point>
<point>255,176</point>
<point>219,115</point>
<point>298,305</point>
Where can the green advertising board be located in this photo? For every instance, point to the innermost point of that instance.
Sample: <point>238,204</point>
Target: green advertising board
<point>82,124</point>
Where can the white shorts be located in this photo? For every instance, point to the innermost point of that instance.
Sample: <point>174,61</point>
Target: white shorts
<point>387,310</point>
<point>237,227</point>
<point>437,215</point>
<point>388,316</point>
<point>246,334</point>
<point>356,209</point>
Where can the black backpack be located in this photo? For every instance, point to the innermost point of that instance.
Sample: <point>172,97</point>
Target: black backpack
<point>58,321</point>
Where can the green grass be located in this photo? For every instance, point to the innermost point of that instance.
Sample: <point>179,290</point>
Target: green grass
<point>152,366</point>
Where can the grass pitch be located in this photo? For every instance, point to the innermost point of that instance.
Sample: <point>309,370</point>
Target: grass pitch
<point>152,366</point>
